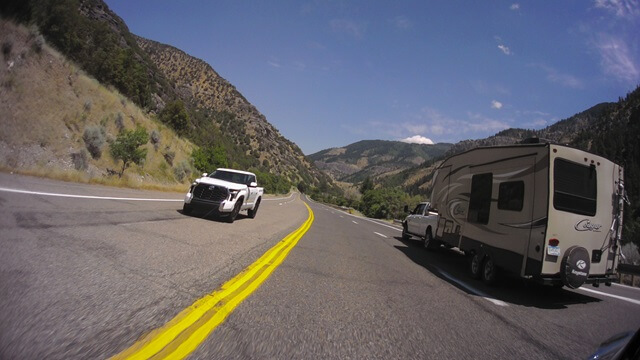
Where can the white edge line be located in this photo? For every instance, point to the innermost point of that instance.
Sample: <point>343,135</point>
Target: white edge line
<point>83,196</point>
<point>383,235</point>
<point>373,221</point>
<point>471,289</point>
<point>626,286</point>
<point>276,199</point>
<point>633,301</point>
<point>103,197</point>
<point>353,221</point>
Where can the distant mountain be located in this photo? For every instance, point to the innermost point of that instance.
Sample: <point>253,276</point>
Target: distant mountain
<point>562,132</point>
<point>374,158</point>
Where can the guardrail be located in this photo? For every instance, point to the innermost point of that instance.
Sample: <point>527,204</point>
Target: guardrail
<point>629,274</point>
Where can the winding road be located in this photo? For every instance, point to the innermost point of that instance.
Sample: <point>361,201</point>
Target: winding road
<point>89,271</point>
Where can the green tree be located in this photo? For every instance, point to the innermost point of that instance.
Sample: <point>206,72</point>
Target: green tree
<point>175,115</point>
<point>367,184</point>
<point>208,158</point>
<point>126,147</point>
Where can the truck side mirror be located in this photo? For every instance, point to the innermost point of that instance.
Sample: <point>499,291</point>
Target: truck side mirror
<point>253,184</point>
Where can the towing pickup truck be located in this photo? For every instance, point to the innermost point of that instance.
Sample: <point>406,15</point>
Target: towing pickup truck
<point>225,192</point>
<point>422,223</point>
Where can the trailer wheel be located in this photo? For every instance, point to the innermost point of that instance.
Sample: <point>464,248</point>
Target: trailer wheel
<point>489,270</point>
<point>429,243</point>
<point>475,265</point>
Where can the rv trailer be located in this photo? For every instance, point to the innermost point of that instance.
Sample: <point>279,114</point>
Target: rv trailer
<point>542,211</point>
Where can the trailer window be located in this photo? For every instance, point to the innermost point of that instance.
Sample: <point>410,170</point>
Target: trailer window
<point>511,195</point>
<point>575,187</point>
<point>480,199</point>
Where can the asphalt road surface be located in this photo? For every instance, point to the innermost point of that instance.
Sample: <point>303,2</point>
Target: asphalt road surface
<point>83,277</point>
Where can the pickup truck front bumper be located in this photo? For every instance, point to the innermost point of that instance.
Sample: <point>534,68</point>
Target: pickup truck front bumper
<point>210,198</point>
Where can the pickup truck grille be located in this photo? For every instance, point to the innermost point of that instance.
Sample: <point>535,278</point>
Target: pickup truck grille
<point>210,192</point>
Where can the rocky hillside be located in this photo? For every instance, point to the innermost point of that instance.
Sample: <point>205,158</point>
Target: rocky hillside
<point>374,158</point>
<point>183,92</point>
<point>50,106</point>
<point>562,132</point>
<point>197,83</point>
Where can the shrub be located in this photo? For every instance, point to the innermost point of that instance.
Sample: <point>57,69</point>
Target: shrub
<point>38,43</point>
<point>80,159</point>
<point>175,115</point>
<point>7,46</point>
<point>87,105</point>
<point>120,122</point>
<point>182,171</point>
<point>169,155</point>
<point>155,138</point>
<point>94,137</point>
<point>126,147</point>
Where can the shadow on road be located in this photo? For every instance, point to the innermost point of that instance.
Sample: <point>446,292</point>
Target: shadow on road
<point>209,215</point>
<point>452,266</point>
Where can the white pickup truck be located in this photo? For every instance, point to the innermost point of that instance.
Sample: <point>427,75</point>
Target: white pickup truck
<point>421,222</point>
<point>225,192</point>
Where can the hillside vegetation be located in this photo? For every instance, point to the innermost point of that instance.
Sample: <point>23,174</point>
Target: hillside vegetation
<point>185,93</point>
<point>57,121</point>
<point>374,158</point>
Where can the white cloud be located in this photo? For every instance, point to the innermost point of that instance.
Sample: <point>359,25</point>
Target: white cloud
<point>620,8</point>
<point>348,27</point>
<point>274,64</point>
<point>495,104</point>
<point>566,80</point>
<point>616,59</point>
<point>505,49</point>
<point>417,139</point>
<point>515,6</point>
<point>402,22</point>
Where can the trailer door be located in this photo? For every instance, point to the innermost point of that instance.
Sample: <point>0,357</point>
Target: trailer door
<point>504,224</point>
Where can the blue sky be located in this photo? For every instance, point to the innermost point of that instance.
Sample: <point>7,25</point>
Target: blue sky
<point>330,73</point>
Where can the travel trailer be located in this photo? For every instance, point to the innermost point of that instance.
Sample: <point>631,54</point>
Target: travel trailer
<point>542,211</point>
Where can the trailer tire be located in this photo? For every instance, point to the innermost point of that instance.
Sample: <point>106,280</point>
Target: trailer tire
<point>475,265</point>
<point>489,270</point>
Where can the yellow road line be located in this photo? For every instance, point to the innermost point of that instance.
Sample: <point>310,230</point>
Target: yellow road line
<point>184,333</point>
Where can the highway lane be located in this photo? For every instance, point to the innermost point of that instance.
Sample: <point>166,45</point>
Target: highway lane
<point>85,278</point>
<point>353,289</point>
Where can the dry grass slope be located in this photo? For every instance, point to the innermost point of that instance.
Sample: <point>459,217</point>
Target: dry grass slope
<point>47,103</point>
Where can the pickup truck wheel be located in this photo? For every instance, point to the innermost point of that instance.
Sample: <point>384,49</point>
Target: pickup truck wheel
<point>234,213</point>
<point>489,271</point>
<point>252,212</point>
<point>186,209</point>
<point>475,265</point>
<point>429,242</point>
<point>405,233</point>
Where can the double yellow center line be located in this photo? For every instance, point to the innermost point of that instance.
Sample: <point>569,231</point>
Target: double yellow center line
<point>184,333</point>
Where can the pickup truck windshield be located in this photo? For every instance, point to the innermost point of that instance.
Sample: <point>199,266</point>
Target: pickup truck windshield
<point>233,177</point>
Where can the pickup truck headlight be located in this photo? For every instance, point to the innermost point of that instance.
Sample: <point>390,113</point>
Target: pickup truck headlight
<point>233,193</point>
<point>193,186</point>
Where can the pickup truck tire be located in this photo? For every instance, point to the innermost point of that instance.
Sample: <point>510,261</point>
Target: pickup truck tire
<point>234,213</point>
<point>405,233</point>
<point>475,266</point>
<point>429,242</point>
<point>252,212</point>
<point>489,270</point>
<point>186,209</point>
